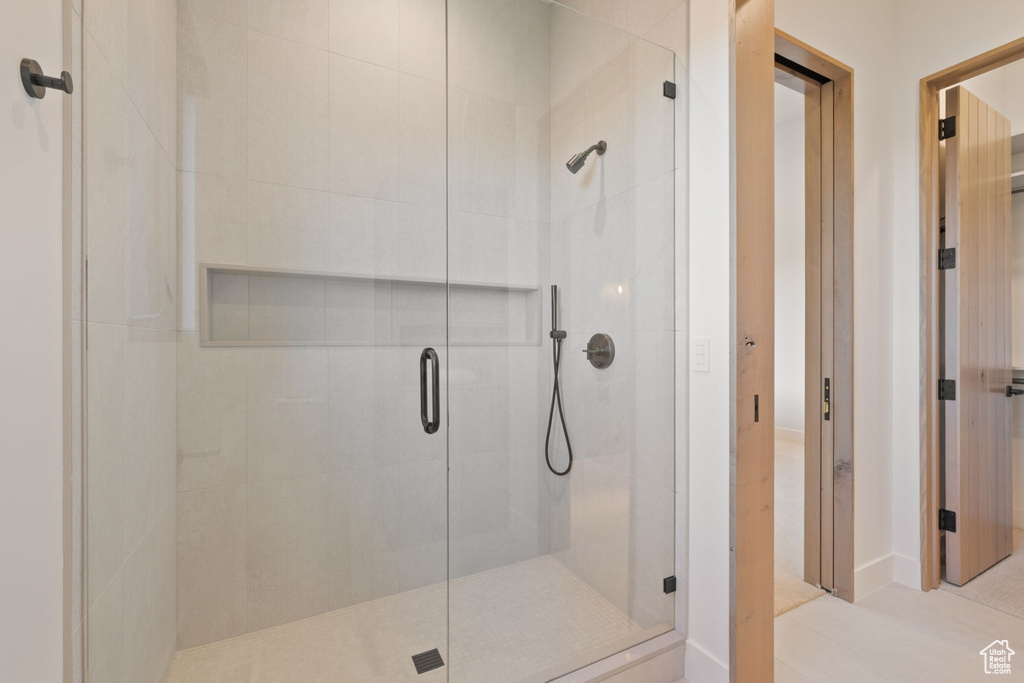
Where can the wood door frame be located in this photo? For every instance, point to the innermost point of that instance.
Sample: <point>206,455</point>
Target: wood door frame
<point>928,147</point>
<point>752,616</point>
<point>828,549</point>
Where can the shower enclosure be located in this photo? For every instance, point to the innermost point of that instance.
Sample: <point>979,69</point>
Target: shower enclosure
<point>319,239</point>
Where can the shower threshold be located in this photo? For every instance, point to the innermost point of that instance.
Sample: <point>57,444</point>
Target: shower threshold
<point>530,621</point>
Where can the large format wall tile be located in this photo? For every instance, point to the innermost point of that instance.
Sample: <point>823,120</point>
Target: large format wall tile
<point>151,72</point>
<point>378,237</point>
<point>150,419</point>
<point>287,227</point>
<point>214,218</point>
<point>367,31</point>
<point>533,164</point>
<point>422,144</point>
<point>230,11</point>
<point>479,499</point>
<point>533,54</point>
<point>212,135</point>
<point>106,658</point>
<point>105,447</point>
<point>287,113</point>
<point>150,581</point>
<point>212,398</point>
<point>482,46</point>
<point>104,192</point>
<point>482,153</point>
<point>211,565</point>
<point>364,129</point>
<point>287,407</point>
<point>652,115</point>
<point>150,228</point>
<point>423,39</point>
<point>388,529</point>
<point>374,416</point>
<point>106,23</point>
<point>303,21</point>
<point>286,564</point>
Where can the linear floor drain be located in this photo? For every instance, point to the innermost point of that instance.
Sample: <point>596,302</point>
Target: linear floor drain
<point>427,661</point>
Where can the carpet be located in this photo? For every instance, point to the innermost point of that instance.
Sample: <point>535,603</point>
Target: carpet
<point>1000,587</point>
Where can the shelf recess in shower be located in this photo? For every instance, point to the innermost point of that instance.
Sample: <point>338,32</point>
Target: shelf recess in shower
<point>242,305</point>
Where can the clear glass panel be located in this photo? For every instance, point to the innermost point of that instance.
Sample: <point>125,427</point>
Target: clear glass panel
<point>549,573</point>
<point>285,204</point>
<point>266,236</point>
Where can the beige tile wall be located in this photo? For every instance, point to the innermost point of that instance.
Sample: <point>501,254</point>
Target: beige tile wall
<point>130,322</point>
<point>319,138</point>
<point>303,479</point>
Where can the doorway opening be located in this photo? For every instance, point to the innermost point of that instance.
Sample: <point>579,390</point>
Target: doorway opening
<point>979,339</point>
<point>791,378</point>
<point>813,326</point>
<point>828,454</point>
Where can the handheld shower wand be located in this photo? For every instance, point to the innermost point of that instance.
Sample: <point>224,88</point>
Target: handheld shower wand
<point>557,336</point>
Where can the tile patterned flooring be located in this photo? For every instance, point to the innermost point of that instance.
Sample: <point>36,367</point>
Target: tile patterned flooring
<point>516,623</point>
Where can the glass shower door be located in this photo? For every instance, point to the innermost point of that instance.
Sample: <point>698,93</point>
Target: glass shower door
<point>550,570</point>
<point>267,341</point>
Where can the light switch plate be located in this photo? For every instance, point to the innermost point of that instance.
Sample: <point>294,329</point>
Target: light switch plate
<point>700,354</point>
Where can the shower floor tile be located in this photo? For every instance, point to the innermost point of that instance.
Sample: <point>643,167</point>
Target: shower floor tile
<point>525,622</point>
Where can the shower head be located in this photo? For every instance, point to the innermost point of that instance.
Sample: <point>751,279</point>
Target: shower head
<point>576,163</point>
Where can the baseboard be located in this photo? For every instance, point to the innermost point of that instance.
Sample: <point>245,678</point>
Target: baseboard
<point>1018,518</point>
<point>789,434</point>
<point>703,667</point>
<point>907,571</point>
<point>874,575</point>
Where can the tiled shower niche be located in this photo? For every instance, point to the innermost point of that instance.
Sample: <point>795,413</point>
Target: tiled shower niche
<point>254,306</point>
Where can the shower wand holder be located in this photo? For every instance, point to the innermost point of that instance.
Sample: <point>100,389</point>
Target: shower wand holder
<point>600,351</point>
<point>36,82</point>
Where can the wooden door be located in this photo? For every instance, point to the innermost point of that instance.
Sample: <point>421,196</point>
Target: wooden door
<point>975,334</point>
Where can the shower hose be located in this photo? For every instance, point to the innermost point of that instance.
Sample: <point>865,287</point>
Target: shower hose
<point>556,393</point>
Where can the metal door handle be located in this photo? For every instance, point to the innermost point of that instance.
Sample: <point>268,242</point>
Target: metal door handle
<point>430,426</point>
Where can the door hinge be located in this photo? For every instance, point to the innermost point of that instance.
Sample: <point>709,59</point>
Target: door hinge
<point>947,128</point>
<point>947,258</point>
<point>947,520</point>
<point>669,90</point>
<point>669,585</point>
<point>828,398</point>
<point>947,389</point>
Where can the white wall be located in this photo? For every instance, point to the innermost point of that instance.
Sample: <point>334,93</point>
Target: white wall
<point>862,36</point>
<point>31,364</point>
<point>946,34</point>
<point>710,313</point>
<point>790,265</point>
<point>1002,90</point>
